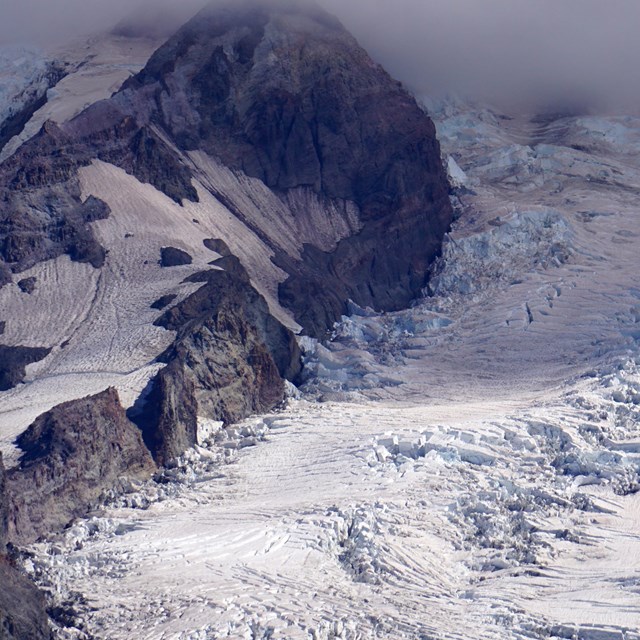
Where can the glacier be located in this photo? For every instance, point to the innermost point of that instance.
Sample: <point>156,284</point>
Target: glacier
<point>466,468</point>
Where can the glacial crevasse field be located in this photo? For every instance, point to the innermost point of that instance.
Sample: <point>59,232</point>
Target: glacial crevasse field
<point>467,468</point>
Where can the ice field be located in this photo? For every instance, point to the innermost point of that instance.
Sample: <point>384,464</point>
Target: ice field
<point>467,468</point>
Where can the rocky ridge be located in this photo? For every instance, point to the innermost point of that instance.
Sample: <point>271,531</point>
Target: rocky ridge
<point>70,455</point>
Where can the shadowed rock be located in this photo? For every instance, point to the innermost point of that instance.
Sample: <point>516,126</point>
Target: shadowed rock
<point>284,94</point>
<point>22,606</point>
<point>70,455</point>
<point>28,285</point>
<point>23,614</point>
<point>173,257</point>
<point>163,301</point>
<point>229,360</point>
<point>13,363</point>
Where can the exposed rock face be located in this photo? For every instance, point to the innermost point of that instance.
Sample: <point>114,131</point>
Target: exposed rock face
<point>173,257</point>
<point>13,362</point>
<point>22,606</point>
<point>70,455</point>
<point>27,285</point>
<point>4,509</point>
<point>286,95</point>
<point>42,214</point>
<point>229,360</point>
<point>263,91</point>
<point>280,93</point>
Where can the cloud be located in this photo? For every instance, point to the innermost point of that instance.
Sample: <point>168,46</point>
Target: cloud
<point>506,50</point>
<point>52,22</point>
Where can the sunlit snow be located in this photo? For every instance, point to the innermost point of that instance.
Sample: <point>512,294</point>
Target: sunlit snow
<point>467,468</point>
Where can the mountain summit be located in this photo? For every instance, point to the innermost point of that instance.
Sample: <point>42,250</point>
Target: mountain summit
<point>281,92</point>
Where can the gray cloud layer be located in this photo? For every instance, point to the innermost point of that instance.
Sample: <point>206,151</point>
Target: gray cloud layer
<point>505,49</point>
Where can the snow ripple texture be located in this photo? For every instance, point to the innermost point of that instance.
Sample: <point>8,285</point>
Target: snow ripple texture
<point>465,469</point>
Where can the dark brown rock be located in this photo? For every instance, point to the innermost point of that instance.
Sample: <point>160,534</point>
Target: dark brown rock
<point>13,361</point>
<point>173,257</point>
<point>42,214</point>
<point>28,285</point>
<point>70,455</point>
<point>23,613</point>
<point>4,509</point>
<point>22,606</point>
<point>229,360</point>
<point>283,93</point>
<point>163,301</point>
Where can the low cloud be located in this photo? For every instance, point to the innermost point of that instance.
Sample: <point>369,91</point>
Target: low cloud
<point>504,50</point>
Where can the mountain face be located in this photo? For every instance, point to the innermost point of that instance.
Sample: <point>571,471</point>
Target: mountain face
<point>259,172</point>
<point>22,606</point>
<point>69,456</point>
<point>278,94</point>
<point>291,99</point>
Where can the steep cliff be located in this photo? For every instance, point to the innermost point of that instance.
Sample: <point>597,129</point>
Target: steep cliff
<point>268,121</point>
<point>286,95</point>
<point>229,360</point>
<point>22,606</point>
<point>70,455</point>
<point>274,91</point>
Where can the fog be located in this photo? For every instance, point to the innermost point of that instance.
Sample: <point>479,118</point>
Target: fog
<point>564,51</point>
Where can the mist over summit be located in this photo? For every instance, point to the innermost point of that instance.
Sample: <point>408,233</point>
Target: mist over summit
<point>507,51</point>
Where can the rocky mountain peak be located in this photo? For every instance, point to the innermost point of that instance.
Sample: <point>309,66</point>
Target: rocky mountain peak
<point>281,92</point>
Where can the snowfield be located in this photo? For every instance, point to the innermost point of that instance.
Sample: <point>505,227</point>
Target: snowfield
<point>467,468</point>
<point>95,68</point>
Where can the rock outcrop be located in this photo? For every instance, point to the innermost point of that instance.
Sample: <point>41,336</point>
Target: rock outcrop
<point>22,607</point>
<point>286,95</point>
<point>276,91</point>
<point>13,363</point>
<point>273,97</point>
<point>23,614</point>
<point>70,455</point>
<point>174,257</point>
<point>229,360</point>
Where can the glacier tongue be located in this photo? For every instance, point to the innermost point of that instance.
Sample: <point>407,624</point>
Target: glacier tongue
<point>471,469</point>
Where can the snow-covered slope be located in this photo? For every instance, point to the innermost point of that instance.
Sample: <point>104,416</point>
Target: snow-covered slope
<point>472,469</point>
<point>95,68</point>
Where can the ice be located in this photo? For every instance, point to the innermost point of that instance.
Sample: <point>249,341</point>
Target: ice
<point>24,78</point>
<point>457,177</point>
<point>466,468</point>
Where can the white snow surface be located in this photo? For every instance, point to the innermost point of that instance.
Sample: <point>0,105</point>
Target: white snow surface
<point>467,468</point>
<point>96,69</point>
